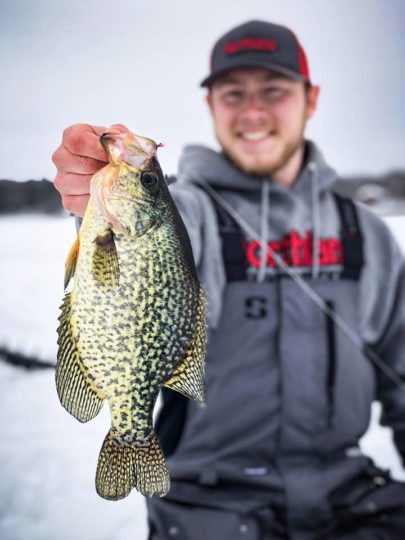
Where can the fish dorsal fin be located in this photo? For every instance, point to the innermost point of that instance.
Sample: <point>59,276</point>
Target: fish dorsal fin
<point>106,269</point>
<point>188,377</point>
<point>71,260</point>
<point>76,390</point>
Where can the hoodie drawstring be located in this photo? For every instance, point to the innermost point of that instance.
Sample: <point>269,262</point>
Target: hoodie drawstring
<point>264,229</point>
<point>312,168</point>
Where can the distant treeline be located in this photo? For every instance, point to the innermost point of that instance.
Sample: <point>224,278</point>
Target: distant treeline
<point>30,196</point>
<point>41,196</point>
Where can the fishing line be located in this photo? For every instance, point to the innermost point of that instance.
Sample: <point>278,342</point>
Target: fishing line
<point>318,300</point>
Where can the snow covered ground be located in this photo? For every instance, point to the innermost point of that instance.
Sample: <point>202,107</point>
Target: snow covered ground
<point>47,458</point>
<point>47,468</point>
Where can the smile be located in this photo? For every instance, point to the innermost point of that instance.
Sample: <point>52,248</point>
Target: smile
<point>254,136</point>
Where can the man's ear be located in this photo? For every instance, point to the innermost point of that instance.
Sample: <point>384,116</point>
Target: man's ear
<point>208,100</point>
<point>312,100</point>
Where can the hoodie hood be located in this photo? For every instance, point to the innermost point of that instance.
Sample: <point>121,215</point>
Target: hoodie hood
<point>199,162</point>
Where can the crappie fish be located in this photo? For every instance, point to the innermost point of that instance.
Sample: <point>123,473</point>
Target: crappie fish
<point>134,320</point>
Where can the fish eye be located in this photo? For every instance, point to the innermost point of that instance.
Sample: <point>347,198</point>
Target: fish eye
<point>149,180</point>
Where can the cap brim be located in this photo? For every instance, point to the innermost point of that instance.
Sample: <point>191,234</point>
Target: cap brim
<point>253,64</point>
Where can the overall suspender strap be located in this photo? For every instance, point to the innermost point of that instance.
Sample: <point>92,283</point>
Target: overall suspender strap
<point>352,238</point>
<point>233,251</point>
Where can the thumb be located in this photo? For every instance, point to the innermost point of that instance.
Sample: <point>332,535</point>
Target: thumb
<point>121,128</point>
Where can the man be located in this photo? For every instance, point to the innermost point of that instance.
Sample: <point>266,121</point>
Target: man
<point>301,284</point>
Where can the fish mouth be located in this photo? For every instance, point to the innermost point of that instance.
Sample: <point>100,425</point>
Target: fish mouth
<point>134,150</point>
<point>107,137</point>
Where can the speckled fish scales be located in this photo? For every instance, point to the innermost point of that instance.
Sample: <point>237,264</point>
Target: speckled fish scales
<point>134,320</point>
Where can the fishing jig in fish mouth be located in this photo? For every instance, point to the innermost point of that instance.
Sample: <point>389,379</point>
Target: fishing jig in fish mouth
<point>134,319</point>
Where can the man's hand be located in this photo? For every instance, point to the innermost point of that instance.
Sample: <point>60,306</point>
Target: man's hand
<point>79,156</point>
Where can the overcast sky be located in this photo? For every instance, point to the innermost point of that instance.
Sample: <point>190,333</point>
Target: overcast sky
<point>140,62</point>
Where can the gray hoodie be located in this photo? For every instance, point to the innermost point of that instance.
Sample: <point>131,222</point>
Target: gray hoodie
<point>273,211</point>
<point>288,391</point>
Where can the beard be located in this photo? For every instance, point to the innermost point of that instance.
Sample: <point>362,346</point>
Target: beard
<point>264,166</point>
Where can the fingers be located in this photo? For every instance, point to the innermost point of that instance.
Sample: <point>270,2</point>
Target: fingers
<point>81,151</point>
<point>76,204</point>
<point>75,191</point>
<point>72,184</point>
<point>68,162</point>
<point>119,127</point>
<point>79,156</point>
<point>84,140</point>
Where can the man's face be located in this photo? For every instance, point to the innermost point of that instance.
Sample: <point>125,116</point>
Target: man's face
<point>259,118</point>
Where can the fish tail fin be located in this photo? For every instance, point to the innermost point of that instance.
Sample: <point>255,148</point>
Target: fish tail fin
<point>115,469</point>
<point>123,465</point>
<point>151,473</point>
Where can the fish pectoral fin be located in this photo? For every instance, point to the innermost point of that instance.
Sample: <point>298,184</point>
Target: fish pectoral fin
<point>123,465</point>
<point>188,377</point>
<point>76,391</point>
<point>71,260</point>
<point>105,260</point>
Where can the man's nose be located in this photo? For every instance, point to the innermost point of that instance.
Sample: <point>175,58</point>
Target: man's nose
<point>253,102</point>
<point>253,109</point>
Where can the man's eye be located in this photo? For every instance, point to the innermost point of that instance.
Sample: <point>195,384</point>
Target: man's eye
<point>233,96</point>
<point>274,92</point>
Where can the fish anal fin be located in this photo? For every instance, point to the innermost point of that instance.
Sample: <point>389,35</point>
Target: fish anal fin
<point>188,377</point>
<point>76,390</point>
<point>105,260</point>
<point>122,465</point>
<point>71,260</point>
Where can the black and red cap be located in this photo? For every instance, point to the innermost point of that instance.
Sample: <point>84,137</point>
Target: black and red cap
<point>259,44</point>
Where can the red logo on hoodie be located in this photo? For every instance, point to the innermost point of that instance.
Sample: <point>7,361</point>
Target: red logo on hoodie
<point>297,251</point>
